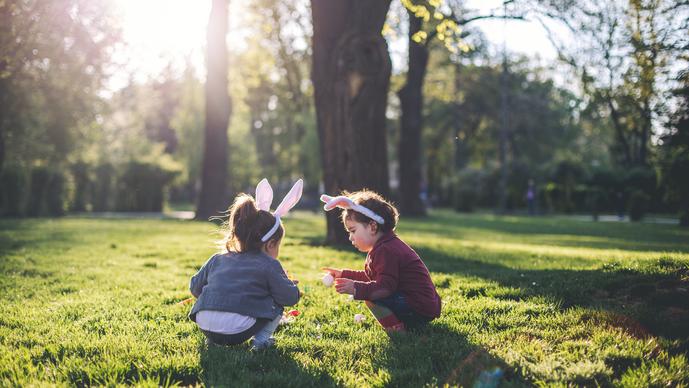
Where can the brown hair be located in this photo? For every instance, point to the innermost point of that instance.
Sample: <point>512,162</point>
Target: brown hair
<point>247,225</point>
<point>375,203</point>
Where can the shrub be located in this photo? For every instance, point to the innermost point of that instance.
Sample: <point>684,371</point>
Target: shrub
<point>141,186</point>
<point>103,188</point>
<point>47,192</point>
<point>467,190</point>
<point>638,205</point>
<point>81,173</point>
<point>13,191</point>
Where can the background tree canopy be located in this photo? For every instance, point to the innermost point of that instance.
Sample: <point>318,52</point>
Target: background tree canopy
<point>455,123</point>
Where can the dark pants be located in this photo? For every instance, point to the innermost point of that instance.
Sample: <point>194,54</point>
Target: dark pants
<point>397,303</point>
<point>237,338</point>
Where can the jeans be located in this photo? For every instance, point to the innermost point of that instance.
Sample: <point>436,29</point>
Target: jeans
<point>262,331</point>
<point>397,303</point>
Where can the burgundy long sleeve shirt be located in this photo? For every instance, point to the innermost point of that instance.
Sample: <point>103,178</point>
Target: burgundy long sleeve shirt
<point>392,266</point>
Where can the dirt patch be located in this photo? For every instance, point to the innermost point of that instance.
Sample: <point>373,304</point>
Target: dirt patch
<point>626,323</point>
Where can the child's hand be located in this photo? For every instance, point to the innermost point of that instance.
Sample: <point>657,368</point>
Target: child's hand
<point>337,273</point>
<point>344,286</point>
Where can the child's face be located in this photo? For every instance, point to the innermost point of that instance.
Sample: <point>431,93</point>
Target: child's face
<point>363,236</point>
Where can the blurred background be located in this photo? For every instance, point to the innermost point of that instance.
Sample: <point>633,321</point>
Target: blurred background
<point>522,107</point>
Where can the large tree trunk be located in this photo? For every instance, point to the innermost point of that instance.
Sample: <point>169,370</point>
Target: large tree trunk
<point>213,197</point>
<point>411,100</point>
<point>351,78</point>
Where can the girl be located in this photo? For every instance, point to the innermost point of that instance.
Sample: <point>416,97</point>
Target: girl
<point>241,293</point>
<point>395,283</point>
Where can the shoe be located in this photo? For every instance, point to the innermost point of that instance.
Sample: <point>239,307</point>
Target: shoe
<point>269,343</point>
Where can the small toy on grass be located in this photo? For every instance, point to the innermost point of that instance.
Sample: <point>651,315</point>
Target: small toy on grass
<point>288,316</point>
<point>359,318</point>
<point>328,280</point>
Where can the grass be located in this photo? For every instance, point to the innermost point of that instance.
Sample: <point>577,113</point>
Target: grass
<point>549,301</point>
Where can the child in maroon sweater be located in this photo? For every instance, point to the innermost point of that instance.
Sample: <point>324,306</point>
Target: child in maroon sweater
<point>395,283</point>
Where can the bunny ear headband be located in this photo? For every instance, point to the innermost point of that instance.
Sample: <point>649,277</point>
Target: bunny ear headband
<point>345,203</point>
<point>264,197</point>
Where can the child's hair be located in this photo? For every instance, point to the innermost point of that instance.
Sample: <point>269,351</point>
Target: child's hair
<point>247,225</point>
<point>375,203</point>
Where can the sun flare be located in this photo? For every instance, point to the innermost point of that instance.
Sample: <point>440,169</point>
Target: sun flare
<point>159,31</point>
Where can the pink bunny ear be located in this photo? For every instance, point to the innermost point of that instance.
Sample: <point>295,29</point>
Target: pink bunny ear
<point>290,199</point>
<point>345,203</point>
<point>326,198</point>
<point>264,195</point>
<point>340,201</point>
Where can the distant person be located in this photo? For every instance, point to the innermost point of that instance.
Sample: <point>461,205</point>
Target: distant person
<point>395,283</point>
<point>241,293</point>
<point>531,198</point>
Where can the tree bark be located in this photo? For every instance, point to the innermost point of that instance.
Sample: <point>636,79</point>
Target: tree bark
<point>351,78</point>
<point>213,197</point>
<point>411,125</point>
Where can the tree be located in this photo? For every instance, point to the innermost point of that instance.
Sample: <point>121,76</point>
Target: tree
<point>52,66</point>
<point>275,70</point>
<point>448,29</point>
<point>411,122</point>
<point>351,76</point>
<point>675,152</point>
<point>213,196</point>
<point>622,52</point>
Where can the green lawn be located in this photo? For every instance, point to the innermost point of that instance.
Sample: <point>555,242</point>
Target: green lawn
<point>549,301</point>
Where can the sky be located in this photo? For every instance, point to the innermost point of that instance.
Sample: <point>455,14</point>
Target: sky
<point>179,27</point>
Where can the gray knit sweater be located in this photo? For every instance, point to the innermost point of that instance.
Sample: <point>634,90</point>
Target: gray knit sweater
<point>251,283</point>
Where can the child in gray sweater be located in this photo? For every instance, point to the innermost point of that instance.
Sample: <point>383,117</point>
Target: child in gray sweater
<point>241,293</point>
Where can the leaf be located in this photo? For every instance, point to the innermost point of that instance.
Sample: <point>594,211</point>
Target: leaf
<point>419,36</point>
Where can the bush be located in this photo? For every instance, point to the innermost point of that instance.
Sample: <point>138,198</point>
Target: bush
<point>82,187</point>
<point>103,188</point>
<point>47,192</point>
<point>567,175</point>
<point>642,179</point>
<point>141,186</point>
<point>468,184</point>
<point>638,205</point>
<point>13,191</point>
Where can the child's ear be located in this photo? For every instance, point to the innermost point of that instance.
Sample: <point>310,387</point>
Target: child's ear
<point>273,243</point>
<point>374,226</point>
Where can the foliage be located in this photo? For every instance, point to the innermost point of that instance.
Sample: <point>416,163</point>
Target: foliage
<point>47,192</point>
<point>550,301</point>
<point>52,66</point>
<point>462,125</point>
<point>142,184</point>
<point>623,53</point>
<point>13,191</point>
<point>638,205</point>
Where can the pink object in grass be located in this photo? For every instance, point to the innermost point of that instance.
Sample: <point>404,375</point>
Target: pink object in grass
<point>293,313</point>
<point>358,318</point>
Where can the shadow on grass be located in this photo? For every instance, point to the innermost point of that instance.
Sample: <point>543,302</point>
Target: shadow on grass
<point>274,367</point>
<point>556,231</point>
<point>654,293</point>
<point>448,359</point>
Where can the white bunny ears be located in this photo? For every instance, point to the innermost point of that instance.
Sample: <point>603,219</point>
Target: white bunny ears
<point>345,203</point>
<point>264,197</point>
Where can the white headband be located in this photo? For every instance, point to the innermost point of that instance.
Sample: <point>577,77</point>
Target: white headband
<point>264,197</point>
<point>345,203</point>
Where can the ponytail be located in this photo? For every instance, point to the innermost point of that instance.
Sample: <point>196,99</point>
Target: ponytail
<point>247,224</point>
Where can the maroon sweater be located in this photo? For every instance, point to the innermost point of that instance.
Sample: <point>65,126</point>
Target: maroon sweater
<point>392,266</point>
